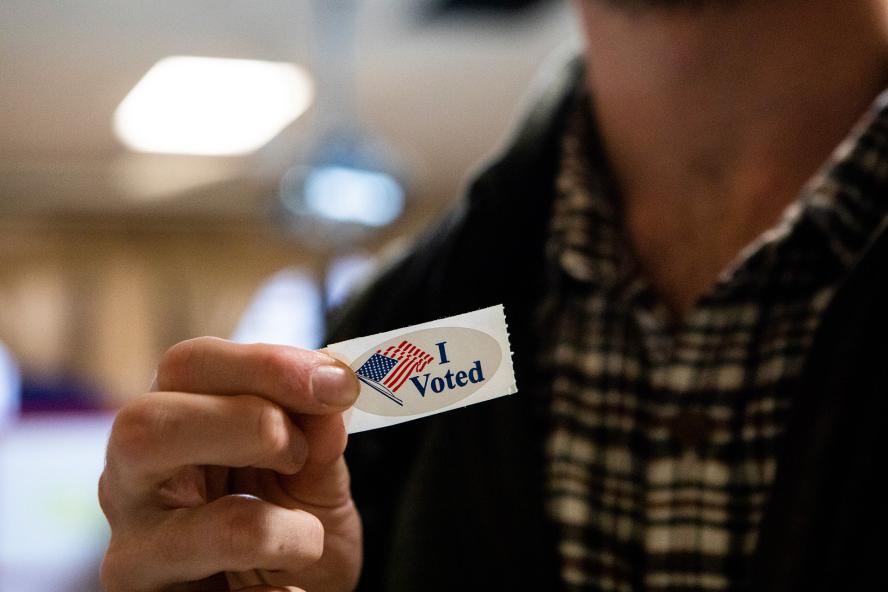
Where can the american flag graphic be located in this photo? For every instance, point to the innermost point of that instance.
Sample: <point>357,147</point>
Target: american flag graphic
<point>387,371</point>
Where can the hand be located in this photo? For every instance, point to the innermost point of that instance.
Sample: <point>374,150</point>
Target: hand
<point>234,465</point>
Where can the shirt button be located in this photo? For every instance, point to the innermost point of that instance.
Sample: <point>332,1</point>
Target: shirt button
<point>692,429</point>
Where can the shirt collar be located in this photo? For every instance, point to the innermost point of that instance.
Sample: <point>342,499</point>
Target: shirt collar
<point>847,200</point>
<point>586,237</point>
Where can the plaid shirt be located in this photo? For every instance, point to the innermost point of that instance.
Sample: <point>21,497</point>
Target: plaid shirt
<point>664,437</point>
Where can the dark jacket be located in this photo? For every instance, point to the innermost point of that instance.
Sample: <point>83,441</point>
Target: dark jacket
<point>455,502</point>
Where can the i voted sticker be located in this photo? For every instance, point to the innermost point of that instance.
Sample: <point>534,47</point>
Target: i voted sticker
<point>425,369</point>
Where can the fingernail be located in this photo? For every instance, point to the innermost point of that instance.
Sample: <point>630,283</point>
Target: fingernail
<point>334,385</point>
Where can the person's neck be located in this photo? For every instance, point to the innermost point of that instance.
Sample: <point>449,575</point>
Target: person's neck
<point>713,119</point>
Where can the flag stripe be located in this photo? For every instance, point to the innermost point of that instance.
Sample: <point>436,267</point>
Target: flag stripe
<point>405,376</point>
<point>403,359</point>
<point>407,358</point>
<point>405,367</point>
<point>418,365</point>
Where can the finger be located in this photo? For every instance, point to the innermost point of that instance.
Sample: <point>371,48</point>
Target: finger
<point>323,481</point>
<point>256,581</point>
<point>158,434</point>
<point>270,589</point>
<point>299,380</point>
<point>326,436</point>
<point>231,534</point>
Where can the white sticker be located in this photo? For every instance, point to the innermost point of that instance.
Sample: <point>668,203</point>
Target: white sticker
<point>428,368</point>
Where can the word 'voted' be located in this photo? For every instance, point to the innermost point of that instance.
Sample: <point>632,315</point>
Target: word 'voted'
<point>429,368</point>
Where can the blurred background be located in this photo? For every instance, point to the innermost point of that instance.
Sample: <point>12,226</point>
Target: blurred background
<point>174,169</point>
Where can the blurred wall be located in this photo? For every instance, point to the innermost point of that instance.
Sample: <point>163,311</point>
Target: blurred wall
<point>103,302</point>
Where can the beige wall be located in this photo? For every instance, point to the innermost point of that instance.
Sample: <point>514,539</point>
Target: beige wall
<point>103,300</point>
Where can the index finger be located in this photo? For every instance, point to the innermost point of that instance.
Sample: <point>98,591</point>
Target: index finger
<point>299,380</point>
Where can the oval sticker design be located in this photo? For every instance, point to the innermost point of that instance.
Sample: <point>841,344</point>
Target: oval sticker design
<point>425,370</point>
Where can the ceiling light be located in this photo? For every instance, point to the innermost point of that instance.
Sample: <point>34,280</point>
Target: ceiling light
<point>348,194</point>
<point>211,106</point>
